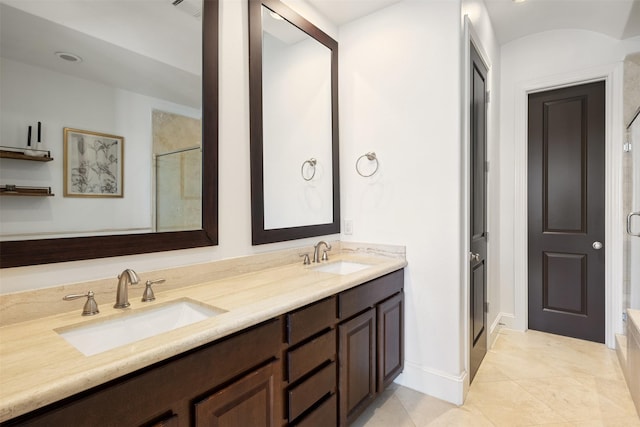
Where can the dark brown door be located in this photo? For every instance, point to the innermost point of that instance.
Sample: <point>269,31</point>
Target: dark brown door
<point>566,211</point>
<point>478,217</point>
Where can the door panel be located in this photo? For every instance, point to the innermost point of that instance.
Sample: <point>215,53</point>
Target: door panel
<point>357,370</point>
<point>390,315</point>
<point>477,307</point>
<point>566,211</point>
<point>560,292</point>
<point>478,218</point>
<point>565,166</point>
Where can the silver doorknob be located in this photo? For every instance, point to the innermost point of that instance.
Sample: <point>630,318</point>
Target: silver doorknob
<point>474,257</point>
<point>597,245</point>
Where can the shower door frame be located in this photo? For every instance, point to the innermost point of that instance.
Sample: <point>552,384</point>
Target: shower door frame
<point>633,246</point>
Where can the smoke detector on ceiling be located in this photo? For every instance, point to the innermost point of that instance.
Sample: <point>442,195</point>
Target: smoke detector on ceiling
<point>192,7</point>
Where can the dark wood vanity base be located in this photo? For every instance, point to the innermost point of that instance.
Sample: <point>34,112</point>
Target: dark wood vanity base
<point>320,365</point>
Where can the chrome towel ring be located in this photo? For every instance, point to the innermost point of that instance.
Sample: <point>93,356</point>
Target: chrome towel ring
<point>312,167</point>
<point>371,156</point>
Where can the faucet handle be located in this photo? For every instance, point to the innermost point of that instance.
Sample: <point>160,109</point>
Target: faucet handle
<point>90,307</point>
<point>325,255</point>
<point>148,295</point>
<point>306,260</point>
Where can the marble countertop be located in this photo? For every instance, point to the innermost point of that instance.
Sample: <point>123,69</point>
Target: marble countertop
<point>38,367</point>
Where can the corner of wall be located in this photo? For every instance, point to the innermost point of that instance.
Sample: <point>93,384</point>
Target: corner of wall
<point>435,383</point>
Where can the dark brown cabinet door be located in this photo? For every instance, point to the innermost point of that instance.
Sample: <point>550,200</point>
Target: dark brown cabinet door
<point>390,316</point>
<point>566,188</point>
<point>357,371</point>
<point>251,401</point>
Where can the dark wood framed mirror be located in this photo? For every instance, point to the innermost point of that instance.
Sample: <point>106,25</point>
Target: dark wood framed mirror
<point>295,178</point>
<point>43,251</point>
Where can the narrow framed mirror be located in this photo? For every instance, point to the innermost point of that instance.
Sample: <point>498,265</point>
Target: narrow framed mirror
<point>293,80</point>
<point>170,75</point>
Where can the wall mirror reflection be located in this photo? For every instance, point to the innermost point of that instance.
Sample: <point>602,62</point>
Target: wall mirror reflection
<point>294,137</point>
<point>138,75</point>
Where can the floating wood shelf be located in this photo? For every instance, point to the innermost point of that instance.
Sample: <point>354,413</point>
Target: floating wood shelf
<point>19,155</point>
<point>26,191</point>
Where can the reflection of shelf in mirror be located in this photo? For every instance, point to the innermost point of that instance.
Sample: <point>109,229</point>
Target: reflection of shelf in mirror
<point>14,190</point>
<point>20,154</point>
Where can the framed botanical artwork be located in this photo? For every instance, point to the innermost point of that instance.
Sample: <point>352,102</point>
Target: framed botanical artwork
<point>93,164</point>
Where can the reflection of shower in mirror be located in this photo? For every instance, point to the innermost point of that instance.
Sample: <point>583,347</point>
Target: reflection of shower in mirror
<point>632,194</point>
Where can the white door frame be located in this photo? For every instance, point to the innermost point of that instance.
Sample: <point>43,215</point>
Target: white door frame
<point>612,75</point>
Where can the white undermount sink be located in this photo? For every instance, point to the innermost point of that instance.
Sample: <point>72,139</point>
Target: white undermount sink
<point>341,267</point>
<point>100,336</point>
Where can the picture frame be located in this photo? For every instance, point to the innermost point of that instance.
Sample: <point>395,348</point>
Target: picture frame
<point>93,164</point>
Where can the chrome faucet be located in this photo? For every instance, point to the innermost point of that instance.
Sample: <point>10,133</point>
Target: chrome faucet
<point>316,251</point>
<point>125,278</point>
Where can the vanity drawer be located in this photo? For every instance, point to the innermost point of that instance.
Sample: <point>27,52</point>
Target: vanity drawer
<point>311,355</point>
<point>310,320</point>
<point>325,415</point>
<point>303,396</point>
<point>355,300</point>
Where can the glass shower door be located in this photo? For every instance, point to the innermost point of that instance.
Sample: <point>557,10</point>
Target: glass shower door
<point>178,183</point>
<point>633,218</point>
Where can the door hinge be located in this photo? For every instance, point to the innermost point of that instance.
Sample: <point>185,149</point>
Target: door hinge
<point>486,307</point>
<point>624,316</point>
<point>627,142</point>
<point>487,98</point>
<point>486,166</point>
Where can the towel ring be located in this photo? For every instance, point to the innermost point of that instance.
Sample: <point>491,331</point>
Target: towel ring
<point>371,156</point>
<point>312,165</point>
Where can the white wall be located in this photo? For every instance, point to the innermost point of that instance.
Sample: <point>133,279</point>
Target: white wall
<point>400,97</point>
<point>540,56</point>
<point>234,187</point>
<point>31,94</point>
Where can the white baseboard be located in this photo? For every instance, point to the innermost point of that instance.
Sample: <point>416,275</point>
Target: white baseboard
<point>442,385</point>
<point>435,383</point>
<point>503,320</point>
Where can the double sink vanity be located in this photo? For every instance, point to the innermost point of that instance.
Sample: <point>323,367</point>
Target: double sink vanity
<point>264,340</point>
<point>291,344</point>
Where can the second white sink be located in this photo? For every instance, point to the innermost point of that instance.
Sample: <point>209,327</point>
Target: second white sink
<point>104,335</point>
<point>341,267</point>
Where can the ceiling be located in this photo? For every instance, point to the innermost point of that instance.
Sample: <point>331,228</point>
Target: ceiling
<point>172,37</point>
<point>619,19</point>
<point>343,11</point>
<point>32,39</point>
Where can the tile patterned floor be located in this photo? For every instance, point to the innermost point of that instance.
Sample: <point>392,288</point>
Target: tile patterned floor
<point>526,379</point>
